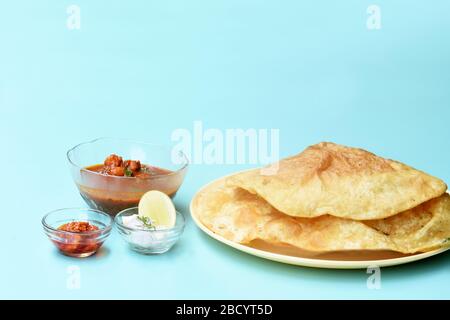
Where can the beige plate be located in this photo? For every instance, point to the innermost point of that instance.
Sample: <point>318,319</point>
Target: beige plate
<point>335,260</point>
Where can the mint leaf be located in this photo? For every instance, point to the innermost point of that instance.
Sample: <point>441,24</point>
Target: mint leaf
<point>148,223</point>
<point>128,172</point>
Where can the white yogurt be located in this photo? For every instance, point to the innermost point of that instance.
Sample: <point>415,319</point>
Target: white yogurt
<point>141,235</point>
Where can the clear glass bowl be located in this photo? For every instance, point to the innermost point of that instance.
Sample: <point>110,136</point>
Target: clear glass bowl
<point>148,241</point>
<point>77,244</point>
<point>113,194</point>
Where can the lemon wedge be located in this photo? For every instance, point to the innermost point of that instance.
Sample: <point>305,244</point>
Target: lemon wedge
<point>158,207</point>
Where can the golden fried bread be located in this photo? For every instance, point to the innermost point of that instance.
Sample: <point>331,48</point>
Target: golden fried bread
<point>242,217</point>
<point>331,179</point>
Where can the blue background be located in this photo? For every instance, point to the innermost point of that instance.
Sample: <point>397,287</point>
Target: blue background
<point>140,69</point>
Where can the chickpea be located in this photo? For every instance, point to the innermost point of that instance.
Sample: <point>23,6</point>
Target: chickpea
<point>113,161</point>
<point>117,171</point>
<point>133,165</point>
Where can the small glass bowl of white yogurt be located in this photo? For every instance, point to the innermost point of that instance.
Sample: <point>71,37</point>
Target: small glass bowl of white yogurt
<point>144,239</point>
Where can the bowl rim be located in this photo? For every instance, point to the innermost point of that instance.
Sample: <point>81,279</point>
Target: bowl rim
<point>174,172</point>
<point>118,223</point>
<point>104,230</point>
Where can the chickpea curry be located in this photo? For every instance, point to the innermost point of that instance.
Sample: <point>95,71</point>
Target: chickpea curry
<point>114,165</point>
<point>103,191</point>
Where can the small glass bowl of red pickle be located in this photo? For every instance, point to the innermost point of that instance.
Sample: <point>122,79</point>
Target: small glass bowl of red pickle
<point>77,232</point>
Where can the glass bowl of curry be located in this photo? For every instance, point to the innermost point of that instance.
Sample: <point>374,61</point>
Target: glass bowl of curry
<point>77,232</point>
<point>112,174</point>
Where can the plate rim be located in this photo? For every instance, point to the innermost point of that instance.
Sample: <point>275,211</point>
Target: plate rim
<point>300,261</point>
